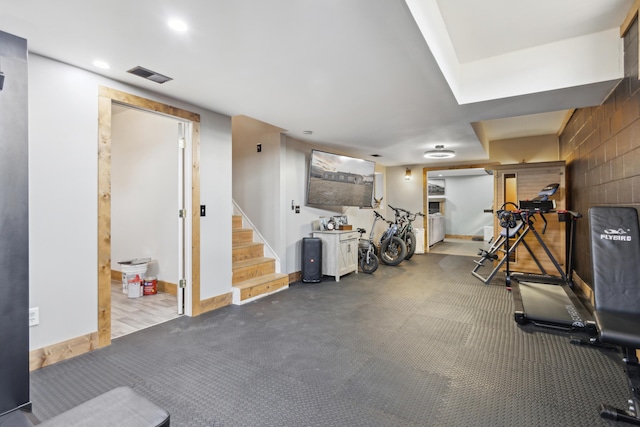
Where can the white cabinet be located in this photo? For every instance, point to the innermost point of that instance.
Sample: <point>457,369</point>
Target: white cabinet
<point>339,252</point>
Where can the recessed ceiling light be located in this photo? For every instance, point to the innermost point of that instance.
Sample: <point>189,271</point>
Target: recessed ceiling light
<point>101,64</point>
<point>178,25</point>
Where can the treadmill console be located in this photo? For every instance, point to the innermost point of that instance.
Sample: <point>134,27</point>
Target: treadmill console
<point>541,203</point>
<point>538,205</point>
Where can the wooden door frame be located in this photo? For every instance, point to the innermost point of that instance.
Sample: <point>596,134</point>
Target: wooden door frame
<point>425,197</point>
<point>106,97</point>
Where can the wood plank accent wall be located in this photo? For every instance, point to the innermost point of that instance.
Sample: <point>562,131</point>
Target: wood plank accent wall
<point>601,146</point>
<point>530,179</point>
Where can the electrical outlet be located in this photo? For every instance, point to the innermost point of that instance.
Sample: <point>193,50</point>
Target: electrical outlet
<point>34,316</point>
<point>203,210</point>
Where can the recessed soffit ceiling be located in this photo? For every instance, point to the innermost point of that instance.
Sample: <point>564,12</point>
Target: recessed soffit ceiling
<point>365,76</point>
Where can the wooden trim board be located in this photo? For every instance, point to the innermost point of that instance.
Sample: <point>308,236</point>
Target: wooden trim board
<point>461,236</point>
<point>628,20</point>
<point>63,350</point>
<point>296,276</point>
<point>216,302</point>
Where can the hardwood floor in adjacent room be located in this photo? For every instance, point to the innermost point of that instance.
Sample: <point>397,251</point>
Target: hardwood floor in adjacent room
<point>463,247</point>
<point>132,314</point>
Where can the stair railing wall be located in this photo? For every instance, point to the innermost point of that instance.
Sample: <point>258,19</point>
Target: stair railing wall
<point>268,250</point>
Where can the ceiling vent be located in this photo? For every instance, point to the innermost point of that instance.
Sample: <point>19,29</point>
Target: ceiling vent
<point>149,75</point>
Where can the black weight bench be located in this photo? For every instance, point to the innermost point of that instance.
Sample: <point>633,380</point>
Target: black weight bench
<point>615,254</point>
<point>121,407</point>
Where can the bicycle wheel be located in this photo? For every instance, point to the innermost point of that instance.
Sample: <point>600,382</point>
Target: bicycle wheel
<point>393,251</point>
<point>369,263</point>
<point>410,241</point>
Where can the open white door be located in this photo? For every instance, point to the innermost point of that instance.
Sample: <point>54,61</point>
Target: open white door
<point>184,220</point>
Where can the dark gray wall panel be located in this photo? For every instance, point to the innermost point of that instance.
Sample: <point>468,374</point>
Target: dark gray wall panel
<point>14,231</point>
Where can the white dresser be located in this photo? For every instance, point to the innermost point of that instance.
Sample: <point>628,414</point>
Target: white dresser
<point>339,252</point>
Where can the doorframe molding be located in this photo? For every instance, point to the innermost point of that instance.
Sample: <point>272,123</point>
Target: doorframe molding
<point>106,96</point>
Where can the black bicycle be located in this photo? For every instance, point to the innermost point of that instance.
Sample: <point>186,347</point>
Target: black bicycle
<point>404,219</point>
<point>367,251</point>
<point>393,250</point>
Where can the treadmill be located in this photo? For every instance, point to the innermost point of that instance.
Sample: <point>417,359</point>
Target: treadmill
<point>546,300</point>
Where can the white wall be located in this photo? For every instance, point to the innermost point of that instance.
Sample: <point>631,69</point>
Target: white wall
<point>530,149</point>
<point>144,191</point>
<point>466,198</point>
<point>257,177</point>
<point>265,184</point>
<point>297,226</point>
<point>406,194</point>
<point>63,134</point>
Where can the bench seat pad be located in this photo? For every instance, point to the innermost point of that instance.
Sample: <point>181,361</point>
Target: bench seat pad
<point>120,407</point>
<point>618,328</point>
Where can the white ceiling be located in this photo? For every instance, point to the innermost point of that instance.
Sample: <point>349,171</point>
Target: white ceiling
<point>366,76</point>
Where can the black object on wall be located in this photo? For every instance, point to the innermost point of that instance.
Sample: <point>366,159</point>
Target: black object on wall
<point>14,228</point>
<point>311,259</point>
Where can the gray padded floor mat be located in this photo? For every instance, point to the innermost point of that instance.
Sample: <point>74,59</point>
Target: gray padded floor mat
<point>420,344</point>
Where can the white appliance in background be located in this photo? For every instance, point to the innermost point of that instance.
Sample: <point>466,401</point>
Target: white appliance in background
<point>419,233</point>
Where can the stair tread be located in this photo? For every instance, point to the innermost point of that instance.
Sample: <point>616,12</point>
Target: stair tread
<point>250,262</point>
<point>246,245</point>
<point>260,280</point>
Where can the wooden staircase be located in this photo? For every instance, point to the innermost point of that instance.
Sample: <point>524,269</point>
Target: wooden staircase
<point>254,276</point>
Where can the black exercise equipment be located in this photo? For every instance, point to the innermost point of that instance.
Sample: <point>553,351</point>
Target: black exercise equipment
<point>615,255</point>
<point>513,226</point>
<point>550,301</point>
<point>517,224</point>
<point>543,299</point>
<point>14,229</point>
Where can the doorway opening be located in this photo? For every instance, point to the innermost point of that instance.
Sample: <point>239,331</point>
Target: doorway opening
<point>147,191</point>
<point>459,201</point>
<point>190,283</point>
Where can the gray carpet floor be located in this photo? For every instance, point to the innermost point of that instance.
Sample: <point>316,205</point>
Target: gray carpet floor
<point>421,344</point>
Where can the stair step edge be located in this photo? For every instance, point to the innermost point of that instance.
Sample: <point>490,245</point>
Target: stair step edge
<point>261,280</point>
<point>251,262</point>
<point>247,245</point>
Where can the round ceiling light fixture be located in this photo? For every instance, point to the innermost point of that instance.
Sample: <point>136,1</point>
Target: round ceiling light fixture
<point>439,153</point>
<point>178,25</point>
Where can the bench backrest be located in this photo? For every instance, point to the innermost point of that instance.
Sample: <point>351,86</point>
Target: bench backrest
<point>615,255</point>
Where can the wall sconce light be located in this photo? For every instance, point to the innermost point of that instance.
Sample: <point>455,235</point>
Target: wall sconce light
<point>407,175</point>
